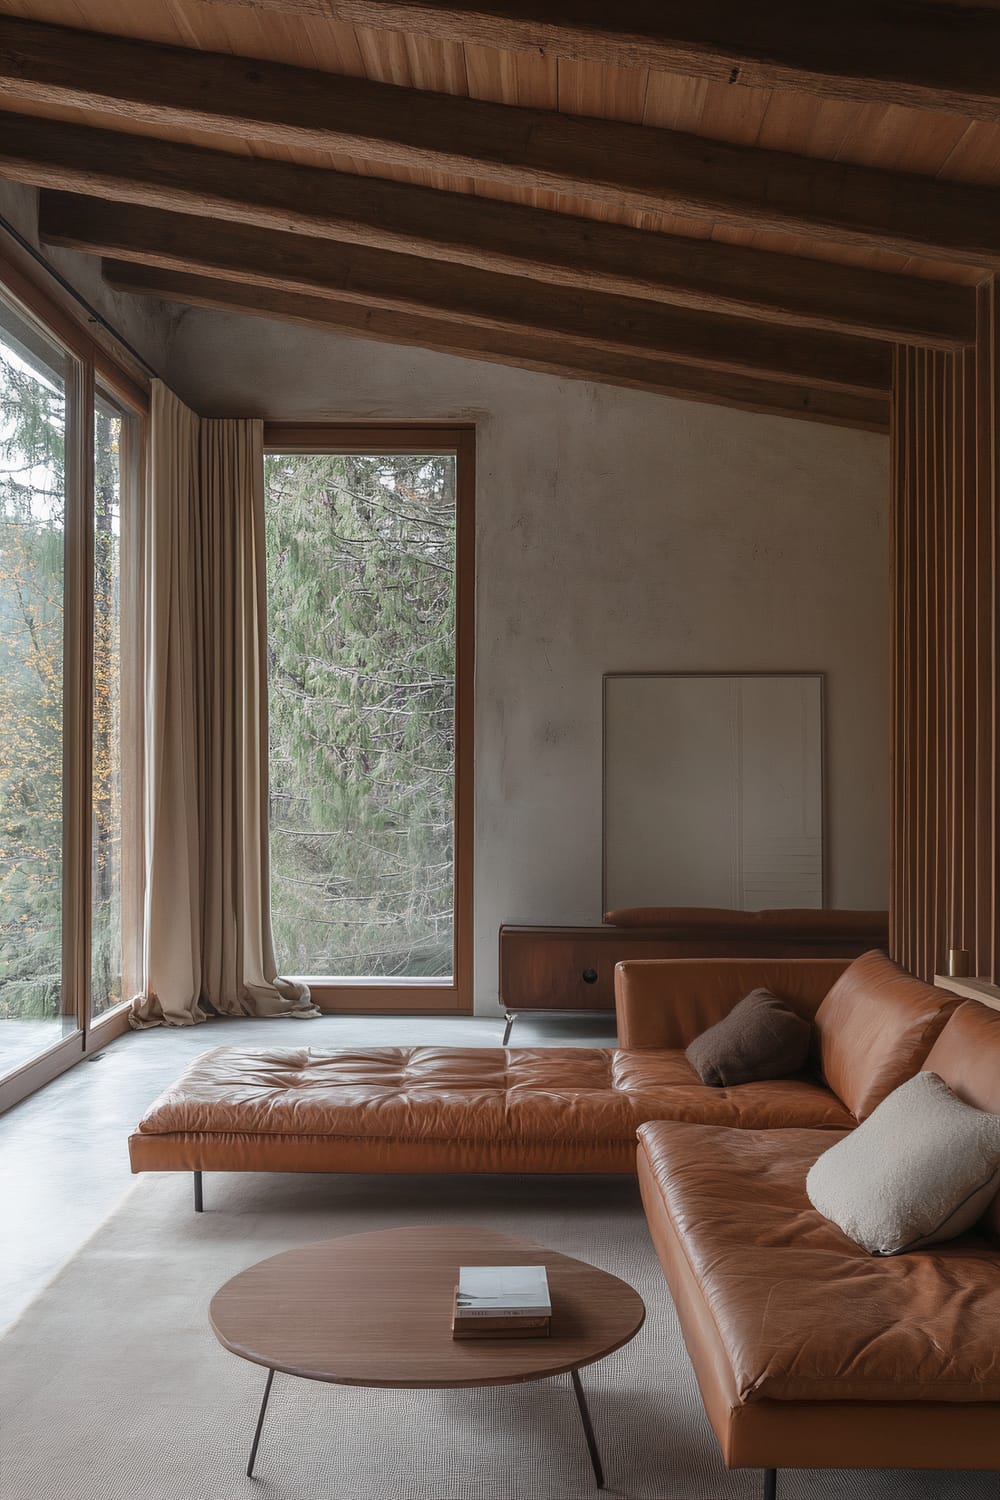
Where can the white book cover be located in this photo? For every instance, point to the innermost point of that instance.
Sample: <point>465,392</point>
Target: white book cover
<point>491,1291</point>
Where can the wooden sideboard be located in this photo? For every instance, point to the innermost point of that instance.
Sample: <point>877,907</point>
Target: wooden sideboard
<point>573,968</point>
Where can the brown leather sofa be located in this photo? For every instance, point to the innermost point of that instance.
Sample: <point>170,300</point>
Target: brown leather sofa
<point>809,1352</point>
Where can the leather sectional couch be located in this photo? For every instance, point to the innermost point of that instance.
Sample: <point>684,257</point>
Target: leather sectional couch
<point>808,1352</point>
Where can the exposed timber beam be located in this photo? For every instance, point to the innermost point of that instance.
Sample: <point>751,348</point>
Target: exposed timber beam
<point>927,56</point>
<point>409,284</point>
<point>534,351</point>
<point>632,166</point>
<point>480,232</point>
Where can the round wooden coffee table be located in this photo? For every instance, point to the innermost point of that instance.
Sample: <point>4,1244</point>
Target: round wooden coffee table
<point>375,1310</point>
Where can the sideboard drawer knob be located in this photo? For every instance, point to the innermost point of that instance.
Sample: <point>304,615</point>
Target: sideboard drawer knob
<point>589,976</point>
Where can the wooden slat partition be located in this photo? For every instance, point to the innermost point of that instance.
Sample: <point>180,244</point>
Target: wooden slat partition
<point>945,654</point>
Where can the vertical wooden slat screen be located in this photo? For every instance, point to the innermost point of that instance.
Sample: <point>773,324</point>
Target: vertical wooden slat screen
<point>945,703</point>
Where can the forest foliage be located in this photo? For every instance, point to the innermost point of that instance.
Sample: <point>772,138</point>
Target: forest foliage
<point>32,573</point>
<point>361,677</point>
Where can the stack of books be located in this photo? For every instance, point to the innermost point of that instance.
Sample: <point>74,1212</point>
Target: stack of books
<point>501,1302</point>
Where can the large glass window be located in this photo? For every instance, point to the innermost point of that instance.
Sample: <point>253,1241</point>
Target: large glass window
<point>33,386</point>
<point>362,655</point>
<point>70,691</point>
<point>115,440</point>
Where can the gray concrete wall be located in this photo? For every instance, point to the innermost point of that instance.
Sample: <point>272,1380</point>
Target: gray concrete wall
<point>617,531</point>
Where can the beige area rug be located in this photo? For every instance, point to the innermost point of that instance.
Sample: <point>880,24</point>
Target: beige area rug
<point>114,1388</point>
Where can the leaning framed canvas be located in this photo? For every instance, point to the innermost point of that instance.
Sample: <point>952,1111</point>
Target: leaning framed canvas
<point>713,789</point>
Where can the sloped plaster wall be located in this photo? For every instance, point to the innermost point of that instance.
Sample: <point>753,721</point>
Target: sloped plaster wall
<point>145,323</point>
<point>616,531</point>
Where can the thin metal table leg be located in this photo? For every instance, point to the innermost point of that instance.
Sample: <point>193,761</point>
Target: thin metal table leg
<point>260,1423</point>
<point>199,1204</point>
<point>510,1017</point>
<point>595,1457</point>
<point>770,1484</point>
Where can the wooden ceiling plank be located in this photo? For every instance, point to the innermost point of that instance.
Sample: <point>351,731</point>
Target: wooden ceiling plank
<point>408,284</point>
<point>534,351</point>
<point>926,56</point>
<point>615,164</point>
<point>490,236</point>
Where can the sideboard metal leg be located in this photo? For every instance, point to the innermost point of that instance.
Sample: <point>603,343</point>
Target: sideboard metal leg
<point>510,1016</point>
<point>199,1202</point>
<point>770,1484</point>
<point>260,1424</point>
<point>588,1431</point>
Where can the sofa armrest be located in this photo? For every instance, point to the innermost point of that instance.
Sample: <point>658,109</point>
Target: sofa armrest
<point>667,1002</point>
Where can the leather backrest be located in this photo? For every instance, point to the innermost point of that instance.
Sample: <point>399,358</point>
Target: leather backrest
<point>875,1029</point>
<point>867,928</point>
<point>667,1002</point>
<point>967,1056</point>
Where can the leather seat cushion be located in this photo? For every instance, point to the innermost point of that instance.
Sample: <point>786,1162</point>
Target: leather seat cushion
<point>570,1094</point>
<point>800,1312</point>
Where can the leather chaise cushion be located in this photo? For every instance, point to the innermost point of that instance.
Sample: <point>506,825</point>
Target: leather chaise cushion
<point>797,1312</point>
<point>564,1096</point>
<point>921,1169</point>
<point>875,1029</point>
<point>760,1038</point>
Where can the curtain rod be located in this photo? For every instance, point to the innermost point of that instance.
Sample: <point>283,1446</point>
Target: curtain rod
<point>67,286</point>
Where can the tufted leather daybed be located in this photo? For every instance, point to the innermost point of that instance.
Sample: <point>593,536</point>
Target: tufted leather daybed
<point>441,1109</point>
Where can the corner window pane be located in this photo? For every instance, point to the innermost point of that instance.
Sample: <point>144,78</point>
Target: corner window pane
<point>361,622</point>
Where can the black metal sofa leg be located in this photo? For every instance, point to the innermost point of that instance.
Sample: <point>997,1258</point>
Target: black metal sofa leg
<point>199,1203</point>
<point>770,1484</point>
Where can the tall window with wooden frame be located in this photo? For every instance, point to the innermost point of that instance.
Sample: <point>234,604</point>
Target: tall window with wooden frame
<point>70,466</point>
<point>116,843</point>
<point>370,561</point>
<point>37,377</point>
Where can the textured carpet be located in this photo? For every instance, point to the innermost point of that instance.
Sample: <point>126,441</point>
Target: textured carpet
<point>112,1386</point>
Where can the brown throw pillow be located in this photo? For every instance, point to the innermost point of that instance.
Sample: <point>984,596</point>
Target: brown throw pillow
<point>761,1037</point>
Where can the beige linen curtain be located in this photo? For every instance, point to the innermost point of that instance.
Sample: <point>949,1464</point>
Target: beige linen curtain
<point>207,940</point>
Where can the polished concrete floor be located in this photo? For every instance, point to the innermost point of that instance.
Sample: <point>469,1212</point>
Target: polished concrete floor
<point>64,1155</point>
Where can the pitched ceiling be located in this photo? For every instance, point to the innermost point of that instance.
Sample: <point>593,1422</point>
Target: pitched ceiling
<point>665,198</point>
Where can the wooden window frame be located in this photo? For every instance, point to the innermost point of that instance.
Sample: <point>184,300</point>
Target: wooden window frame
<point>132,469</point>
<point>418,996</point>
<point>90,365</point>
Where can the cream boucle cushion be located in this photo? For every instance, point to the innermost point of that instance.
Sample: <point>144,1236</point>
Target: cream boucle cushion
<point>922,1168</point>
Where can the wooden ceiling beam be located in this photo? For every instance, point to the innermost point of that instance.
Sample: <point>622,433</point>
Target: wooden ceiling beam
<point>534,351</point>
<point>511,304</point>
<point>925,56</point>
<point>628,166</point>
<point>491,236</point>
